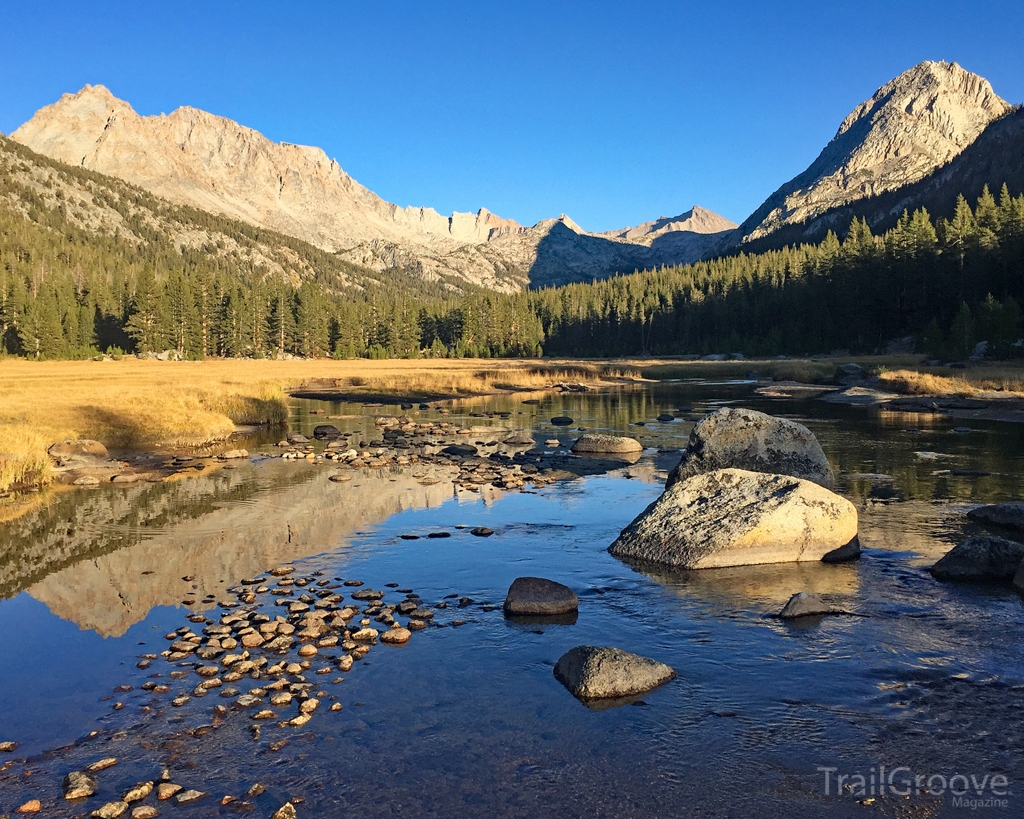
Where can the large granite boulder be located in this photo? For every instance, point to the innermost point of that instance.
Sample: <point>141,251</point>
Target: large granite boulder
<point>732,517</point>
<point>1010,515</point>
<point>597,443</point>
<point>592,673</point>
<point>537,595</point>
<point>747,439</point>
<point>980,558</point>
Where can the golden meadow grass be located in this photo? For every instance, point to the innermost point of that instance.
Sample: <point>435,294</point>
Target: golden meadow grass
<point>140,404</point>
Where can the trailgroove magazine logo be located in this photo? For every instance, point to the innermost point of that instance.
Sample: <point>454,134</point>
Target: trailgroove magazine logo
<point>971,791</point>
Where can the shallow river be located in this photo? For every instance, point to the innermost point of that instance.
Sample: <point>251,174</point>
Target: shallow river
<point>469,720</point>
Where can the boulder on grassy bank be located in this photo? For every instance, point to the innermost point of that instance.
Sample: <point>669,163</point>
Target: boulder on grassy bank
<point>733,517</point>
<point>747,439</point>
<point>980,558</point>
<point>598,443</point>
<point>591,673</point>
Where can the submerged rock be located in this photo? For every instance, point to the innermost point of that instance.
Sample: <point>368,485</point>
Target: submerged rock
<point>980,558</point>
<point>1010,515</point>
<point>606,444</point>
<point>732,517</point>
<point>804,604</point>
<point>536,595</point>
<point>562,421</point>
<point>751,440</point>
<point>591,672</point>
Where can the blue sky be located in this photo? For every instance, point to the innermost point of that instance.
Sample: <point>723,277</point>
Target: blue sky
<point>613,113</point>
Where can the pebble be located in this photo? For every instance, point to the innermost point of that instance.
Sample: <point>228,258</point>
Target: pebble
<point>78,785</point>
<point>32,806</point>
<point>189,797</point>
<point>101,765</point>
<point>111,810</point>
<point>308,651</point>
<point>286,811</point>
<point>396,636</point>
<point>336,706</point>
<point>165,790</point>
<point>145,812</point>
<point>138,793</point>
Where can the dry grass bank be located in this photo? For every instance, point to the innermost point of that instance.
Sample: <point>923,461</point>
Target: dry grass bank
<point>135,404</point>
<point>964,383</point>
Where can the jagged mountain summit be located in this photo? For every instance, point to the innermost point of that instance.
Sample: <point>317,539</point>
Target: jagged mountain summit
<point>912,125</point>
<point>191,157</point>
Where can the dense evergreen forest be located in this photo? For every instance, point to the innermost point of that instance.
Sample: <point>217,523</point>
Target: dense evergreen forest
<point>70,290</point>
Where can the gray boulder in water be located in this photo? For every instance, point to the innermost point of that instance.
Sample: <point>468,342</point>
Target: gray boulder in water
<point>537,595</point>
<point>1010,515</point>
<point>591,672</point>
<point>747,439</point>
<point>732,517</point>
<point>980,558</point>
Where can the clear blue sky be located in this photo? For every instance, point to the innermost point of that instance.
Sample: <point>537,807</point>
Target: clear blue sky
<point>613,113</point>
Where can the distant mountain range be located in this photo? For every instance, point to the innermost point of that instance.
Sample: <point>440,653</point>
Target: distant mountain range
<point>930,134</point>
<point>190,157</point>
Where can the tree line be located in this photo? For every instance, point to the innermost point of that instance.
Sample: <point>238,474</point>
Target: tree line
<point>73,291</point>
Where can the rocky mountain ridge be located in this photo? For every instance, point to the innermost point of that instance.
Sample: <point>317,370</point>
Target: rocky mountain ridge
<point>191,157</point>
<point>911,126</point>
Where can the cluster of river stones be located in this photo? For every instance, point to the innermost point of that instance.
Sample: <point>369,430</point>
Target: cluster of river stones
<point>485,456</point>
<point>263,666</point>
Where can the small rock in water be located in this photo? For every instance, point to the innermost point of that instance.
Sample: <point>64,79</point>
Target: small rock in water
<point>101,765</point>
<point>562,421</point>
<point>537,595</point>
<point>32,806</point>
<point>111,810</point>
<point>145,812</point>
<point>481,531</point>
<point>165,790</point>
<point>396,636</point>
<point>439,534</point>
<point>8,747</point>
<point>189,797</point>
<point>803,604</point>
<point>138,793</point>
<point>600,673</point>
<point>286,811</point>
<point>78,785</point>
<point>980,558</point>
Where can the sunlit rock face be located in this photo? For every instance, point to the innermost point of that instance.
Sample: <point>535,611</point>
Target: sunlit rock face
<point>912,125</point>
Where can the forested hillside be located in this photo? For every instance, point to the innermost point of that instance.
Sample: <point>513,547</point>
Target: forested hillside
<point>89,264</point>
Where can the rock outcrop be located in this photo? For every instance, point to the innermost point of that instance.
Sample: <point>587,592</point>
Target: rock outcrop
<point>191,157</point>
<point>911,126</point>
<point>592,673</point>
<point>747,439</point>
<point>980,558</point>
<point>597,443</point>
<point>732,517</point>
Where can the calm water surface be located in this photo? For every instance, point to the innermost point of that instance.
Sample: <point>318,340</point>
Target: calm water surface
<point>470,721</point>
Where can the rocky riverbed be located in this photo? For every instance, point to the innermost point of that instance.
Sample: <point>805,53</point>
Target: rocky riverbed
<point>226,594</point>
